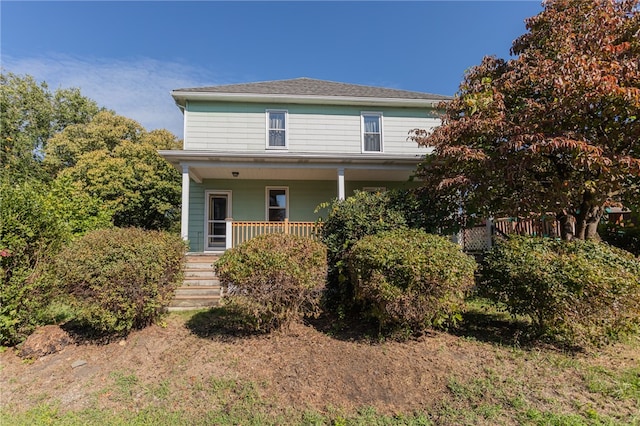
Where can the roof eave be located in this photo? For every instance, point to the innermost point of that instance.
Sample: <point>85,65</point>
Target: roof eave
<point>181,97</point>
<point>185,156</point>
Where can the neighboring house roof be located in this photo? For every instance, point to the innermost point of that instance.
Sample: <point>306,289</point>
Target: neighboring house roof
<point>308,90</point>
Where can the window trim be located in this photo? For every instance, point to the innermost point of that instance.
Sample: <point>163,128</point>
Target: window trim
<point>364,114</point>
<point>286,128</point>
<point>266,203</point>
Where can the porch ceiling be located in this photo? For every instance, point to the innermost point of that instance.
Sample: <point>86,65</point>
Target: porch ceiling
<point>292,166</point>
<point>260,173</point>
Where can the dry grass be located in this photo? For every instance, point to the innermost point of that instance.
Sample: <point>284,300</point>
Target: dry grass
<point>200,369</point>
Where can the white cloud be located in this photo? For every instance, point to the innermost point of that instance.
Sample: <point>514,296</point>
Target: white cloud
<point>138,89</point>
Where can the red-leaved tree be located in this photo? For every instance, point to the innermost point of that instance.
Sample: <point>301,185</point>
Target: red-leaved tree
<point>556,129</point>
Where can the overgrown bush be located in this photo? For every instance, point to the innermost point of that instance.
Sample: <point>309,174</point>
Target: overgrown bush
<point>409,278</point>
<point>29,235</point>
<point>422,210</point>
<point>348,221</point>
<point>624,237</point>
<point>274,279</point>
<point>121,278</point>
<point>36,221</point>
<point>584,292</point>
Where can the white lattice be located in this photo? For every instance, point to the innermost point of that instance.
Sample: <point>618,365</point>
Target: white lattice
<point>476,239</point>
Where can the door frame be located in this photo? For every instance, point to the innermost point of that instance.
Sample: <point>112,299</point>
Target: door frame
<point>207,195</point>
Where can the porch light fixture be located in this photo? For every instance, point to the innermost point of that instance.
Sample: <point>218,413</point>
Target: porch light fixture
<point>235,174</point>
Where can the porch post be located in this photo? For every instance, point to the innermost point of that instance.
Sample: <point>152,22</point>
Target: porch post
<point>341,183</point>
<point>489,232</point>
<point>228,233</point>
<point>184,218</point>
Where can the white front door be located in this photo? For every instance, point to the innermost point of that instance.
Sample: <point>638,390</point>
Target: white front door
<point>218,209</point>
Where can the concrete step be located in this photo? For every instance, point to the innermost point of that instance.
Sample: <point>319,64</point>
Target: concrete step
<point>202,258</point>
<point>199,265</point>
<point>199,273</point>
<point>201,287</point>
<point>196,281</point>
<point>183,304</point>
<point>213,291</point>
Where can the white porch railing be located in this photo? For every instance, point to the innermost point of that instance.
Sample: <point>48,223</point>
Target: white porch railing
<point>241,231</point>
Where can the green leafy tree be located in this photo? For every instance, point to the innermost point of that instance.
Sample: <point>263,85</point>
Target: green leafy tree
<point>77,210</point>
<point>136,184</point>
<point>115,159</point>
<point>30,114</point>
<point>105,132</point>
<point>556,129</point>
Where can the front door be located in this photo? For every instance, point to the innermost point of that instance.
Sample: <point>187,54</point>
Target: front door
<point>218,209</point>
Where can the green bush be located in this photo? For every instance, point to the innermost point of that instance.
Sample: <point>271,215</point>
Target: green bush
<point>121,278</point>
<point>422,210</point>
<point>29,235</point>
<point>36,221</point>
<point>347,222</point>
<point>274,279</point>
<point>624,237</point>
<point>584,292</point>
<point>409,278</point>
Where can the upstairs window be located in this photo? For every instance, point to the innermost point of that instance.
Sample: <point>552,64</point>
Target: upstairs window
<point>371,132</point>
<point>277,204</point>
<point>277,129</point>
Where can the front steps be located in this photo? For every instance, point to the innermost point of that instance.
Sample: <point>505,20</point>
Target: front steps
<point>201,287</point>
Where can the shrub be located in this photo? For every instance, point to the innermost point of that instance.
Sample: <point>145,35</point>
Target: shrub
<point>36,221</point>
<point>274,279</point>
<point>422,210</point>
<point>410,278</point>
<point>29,235</point>
<point>347,221</point>
<point>585,292</point>
<point>121,278</point>
<point>624,237</point>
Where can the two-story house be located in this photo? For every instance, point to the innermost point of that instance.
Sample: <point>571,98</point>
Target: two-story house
<point>261,156</point>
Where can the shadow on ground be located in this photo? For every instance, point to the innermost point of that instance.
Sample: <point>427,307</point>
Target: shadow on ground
<point>220,323</point>
<point>223,323</point>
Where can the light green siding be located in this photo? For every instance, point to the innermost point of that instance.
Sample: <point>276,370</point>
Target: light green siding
<point>249,200</point>
<point>241,127</point>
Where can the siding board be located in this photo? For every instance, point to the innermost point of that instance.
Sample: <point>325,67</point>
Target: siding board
<point>242,127</point>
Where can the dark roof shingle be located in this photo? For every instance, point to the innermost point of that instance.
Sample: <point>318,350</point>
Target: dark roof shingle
<point>312,87</point>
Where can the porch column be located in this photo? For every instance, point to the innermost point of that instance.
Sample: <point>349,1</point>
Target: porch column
<point>341,183</point>
<point>228,240</point>
<point>184,218</point>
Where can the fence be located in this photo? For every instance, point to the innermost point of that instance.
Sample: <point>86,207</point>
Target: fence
<point>477,239</point>
<point>242,231</point>
<point>480,238</point>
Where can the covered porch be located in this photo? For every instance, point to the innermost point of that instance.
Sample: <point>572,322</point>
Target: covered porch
<point>230,198</point>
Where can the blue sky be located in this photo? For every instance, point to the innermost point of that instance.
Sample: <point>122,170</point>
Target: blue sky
<point>128,56</point>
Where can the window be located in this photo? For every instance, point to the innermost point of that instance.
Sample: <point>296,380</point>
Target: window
<point>371,132</point>
<point>277,204</point>
<point>277,129</point>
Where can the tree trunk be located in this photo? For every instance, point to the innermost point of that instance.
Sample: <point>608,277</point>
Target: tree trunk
<point>588,218</point>
<point>566,225</point>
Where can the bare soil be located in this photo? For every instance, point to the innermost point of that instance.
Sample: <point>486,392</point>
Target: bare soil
<point>310,367</point>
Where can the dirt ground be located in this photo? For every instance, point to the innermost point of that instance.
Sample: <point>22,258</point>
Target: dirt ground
<point>307,367</point>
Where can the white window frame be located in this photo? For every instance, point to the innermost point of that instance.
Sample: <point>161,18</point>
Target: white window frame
<point>268,207</point>
<point>207,194</point>
<point>286,128</point>
<point>362,132</point>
